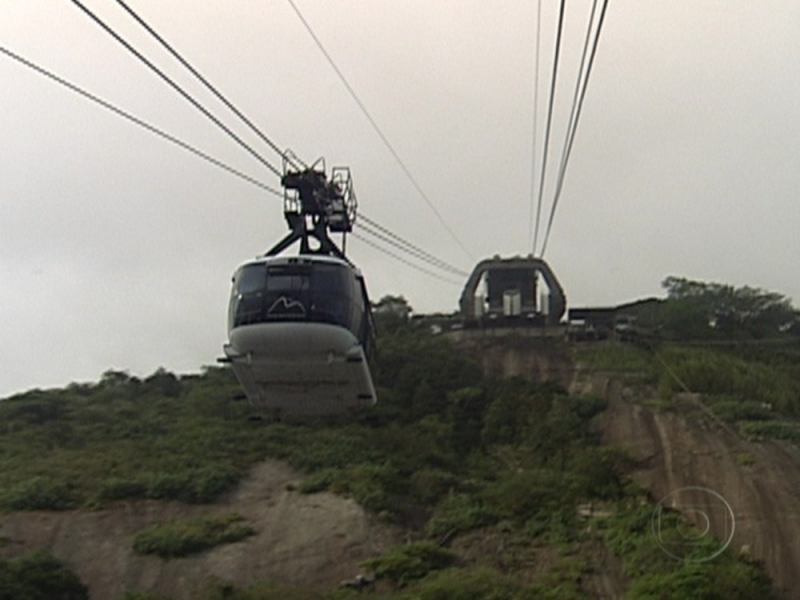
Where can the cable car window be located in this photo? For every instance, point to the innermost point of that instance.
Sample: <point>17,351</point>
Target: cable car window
<point>251,279</point>
<point>246,297</point>
<point>322,293</point>
<point>288,279</point>
<point>331,295</point>
<point>332,279</point>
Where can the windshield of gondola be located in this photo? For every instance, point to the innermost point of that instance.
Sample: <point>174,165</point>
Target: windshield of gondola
<point>288,279</point>
<point>251,279</point>
<point>319,292</point>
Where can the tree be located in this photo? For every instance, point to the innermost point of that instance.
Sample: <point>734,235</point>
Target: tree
<point>391,313</point>
<point>697,309</point>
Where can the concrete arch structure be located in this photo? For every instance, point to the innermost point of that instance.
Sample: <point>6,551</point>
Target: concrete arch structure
<point>518,276</point>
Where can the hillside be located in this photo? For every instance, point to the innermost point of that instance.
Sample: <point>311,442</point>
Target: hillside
<point>456,485</point>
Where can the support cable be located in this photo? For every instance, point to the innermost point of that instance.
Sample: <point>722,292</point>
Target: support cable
<point>403,260</point>
<point>549,117</point>
<point>397,245</point>
<point>432,262</point>
<point>176,87</point>
<point>411,248</point>
<point>579,82</point>
<point>535,121</point>
<point>563,169</point>
<point>138,121</point>
<point>377,129</point>
<point>290,159</point>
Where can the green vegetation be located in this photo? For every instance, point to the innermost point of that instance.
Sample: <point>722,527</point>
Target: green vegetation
<point>656,576</point>
<point>182,538</point>
<point>142,596</point>
<point>700,310</point>
<point>612,356</point>
<point>404,564</point>
<point>38,576</point>
<point>737,347</point>
<point>160,438</point>
<point>447,454</point>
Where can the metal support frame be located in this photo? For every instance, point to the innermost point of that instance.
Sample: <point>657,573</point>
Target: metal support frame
<point>315,206</point>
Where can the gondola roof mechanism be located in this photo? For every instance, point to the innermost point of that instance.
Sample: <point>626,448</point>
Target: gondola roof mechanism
<point>315,206</point>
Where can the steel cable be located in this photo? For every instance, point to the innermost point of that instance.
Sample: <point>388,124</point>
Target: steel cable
<point>563,169</point>
<point>209,86</point>
<point>411,248</point>
<point>138,121</point>
<point>549,117</point>
<point>377,129</point>
<point>403,260</point>
<point>175,86</point>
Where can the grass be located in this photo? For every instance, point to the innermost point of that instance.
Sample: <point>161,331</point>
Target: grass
<point>183,538</point>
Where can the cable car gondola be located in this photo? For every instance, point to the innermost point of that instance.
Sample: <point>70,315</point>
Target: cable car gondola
<point>300,327</point>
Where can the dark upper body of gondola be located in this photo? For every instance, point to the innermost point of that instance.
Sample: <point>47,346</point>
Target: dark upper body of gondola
<point>300,327</point>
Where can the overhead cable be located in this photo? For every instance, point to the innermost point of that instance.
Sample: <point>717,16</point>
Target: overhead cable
<point>565,159</point>
<point>432,262</point>
<point>411,248</point>
<point>580,80</point>
<point>284,155</point>
<point>377,129</point>
<point>389,236</point>
<point>138,121</point>
<point>403,260</point>
<point>176,87</point>
<point>535,121</point>
<point>549,120</point>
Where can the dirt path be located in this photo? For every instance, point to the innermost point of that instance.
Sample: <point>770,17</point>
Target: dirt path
<point>683,447</point>
<point>314,540</point>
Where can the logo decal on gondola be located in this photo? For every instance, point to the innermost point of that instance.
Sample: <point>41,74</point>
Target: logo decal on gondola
<point>285,307</point>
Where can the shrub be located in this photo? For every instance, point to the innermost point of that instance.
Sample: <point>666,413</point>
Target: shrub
<point>317,482</point>
<point>39,576</point>
<point>457,512</point>
<point>406,563</point>
<point>116,488</point>
<point>519,496</point>
<point>715,372</point>
<point>741,410</point>
<point>268,590</point>
<point>38,493</point>
<point>726,580</point>
<point>596,471</point>
<point>467,407</point>
<point>428,485</point>
<point>142,596</point>
<point>776,430</point>
<point>196,486</point>
<point>369,484</point>
<point>463,584</point>
<point>181,538</point>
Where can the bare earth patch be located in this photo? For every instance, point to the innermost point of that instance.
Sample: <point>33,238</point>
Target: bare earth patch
<point>310,540</point>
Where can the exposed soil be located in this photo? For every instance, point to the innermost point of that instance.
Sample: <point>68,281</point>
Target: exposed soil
<point>535,358</point>
<point>312,540</point>
<point>683,447</point>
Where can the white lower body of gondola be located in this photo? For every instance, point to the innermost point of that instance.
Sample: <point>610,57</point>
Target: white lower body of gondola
<point>302,369</point>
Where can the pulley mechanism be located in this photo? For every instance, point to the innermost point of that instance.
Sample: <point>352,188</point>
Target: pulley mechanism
<point>315,206</point>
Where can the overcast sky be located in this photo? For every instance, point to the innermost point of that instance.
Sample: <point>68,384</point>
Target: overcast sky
<point>116,247</point>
